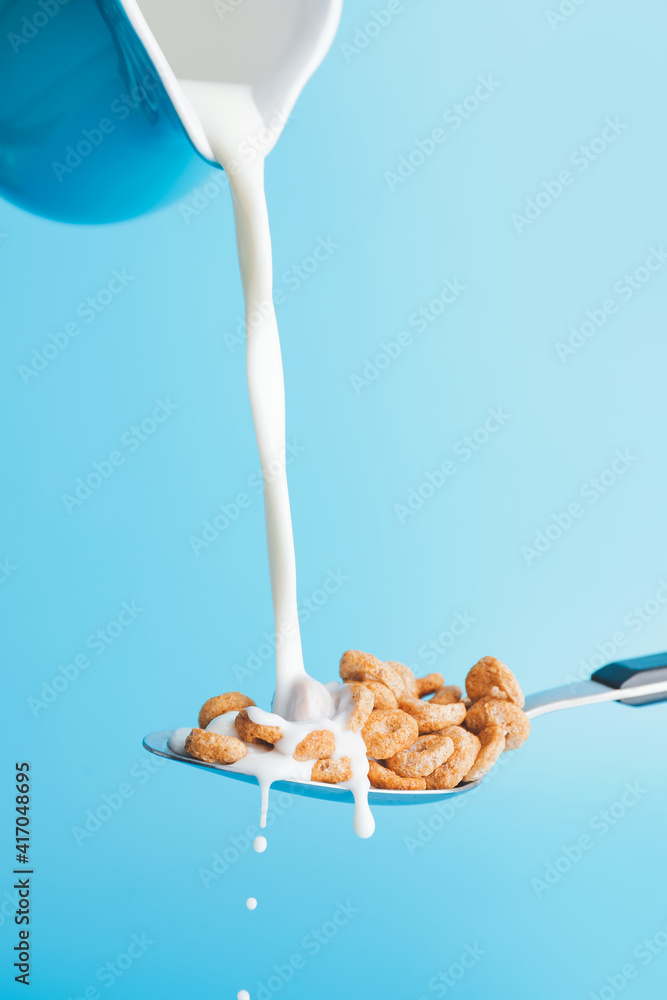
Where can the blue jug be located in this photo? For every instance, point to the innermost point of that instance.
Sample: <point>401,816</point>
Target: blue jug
<point>88,133</point>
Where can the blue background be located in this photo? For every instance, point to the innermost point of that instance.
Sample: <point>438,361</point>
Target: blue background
<point>469,880</point>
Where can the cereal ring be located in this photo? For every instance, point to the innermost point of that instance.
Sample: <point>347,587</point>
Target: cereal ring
<point>382,777</point>
<point>332,770</point>
<point>358,701</point>
<point>319,743</point>
<point>387,731</point>
<point>466,748</point>
<point>382,696</point>
<point>232,701</point>
<point>427,753</point>
<point>357,666</point>
<point>476,718</point>
<point>431,718</point>
<point>406,675</point>
<point>449,694</point>
<point>429,684</point>
<point>492,738</point>
<point>500,712</point>
<point>253,732</point>
<point>491,677</point>
<point>213,748</point>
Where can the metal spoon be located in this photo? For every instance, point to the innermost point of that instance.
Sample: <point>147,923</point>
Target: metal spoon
<point>641,681</point>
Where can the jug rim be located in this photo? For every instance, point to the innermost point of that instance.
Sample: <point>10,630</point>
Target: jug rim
<point>184,109</point>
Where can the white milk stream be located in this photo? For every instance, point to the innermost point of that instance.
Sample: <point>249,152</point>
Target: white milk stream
<point>240,141</point>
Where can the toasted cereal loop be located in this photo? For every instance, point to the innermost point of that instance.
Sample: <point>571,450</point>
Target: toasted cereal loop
<point>429,684</point>
<point>213,748</point>
<point>476,718</point>
<point>362,706</point>
<point>332,770</point>
<point>232,701</point>
<point>427,753</point>
<point>253,732</point>
<point>358,666</point>
<point>382,696</point>
<point>491,677</point>
<point>319,743</point>
<point>431,718</point>
<point>382,777</point>
<point>492,738</point>
<point>497,711</point>
<point>466,748</point>
<point>448,694</point>
<point>387,731</point>
<point>406,675</point>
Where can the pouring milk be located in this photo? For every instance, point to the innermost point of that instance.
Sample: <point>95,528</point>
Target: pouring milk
<point>270,51</point>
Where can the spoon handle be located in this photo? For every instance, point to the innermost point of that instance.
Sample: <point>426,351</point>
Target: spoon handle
<point>644,676</point>
<point>626,674</point>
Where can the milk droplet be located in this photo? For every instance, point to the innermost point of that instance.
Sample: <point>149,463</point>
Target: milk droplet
<point>259,844</point>
<point>251,903</point>
<point>242,995</point>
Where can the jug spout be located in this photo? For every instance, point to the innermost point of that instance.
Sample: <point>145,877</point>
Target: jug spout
<point>271,48</point>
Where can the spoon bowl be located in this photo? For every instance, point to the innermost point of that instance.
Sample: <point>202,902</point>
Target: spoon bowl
<point>158,743</point>
<point>637,682</point>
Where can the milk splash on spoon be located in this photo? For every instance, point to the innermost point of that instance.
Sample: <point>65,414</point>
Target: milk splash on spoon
<point>233,126</point>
